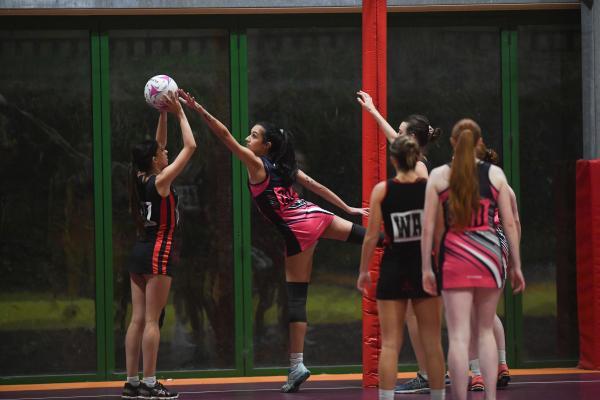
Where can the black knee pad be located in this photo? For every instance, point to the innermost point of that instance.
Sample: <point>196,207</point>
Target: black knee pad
<point>357,235</point>
<point>297,293</point>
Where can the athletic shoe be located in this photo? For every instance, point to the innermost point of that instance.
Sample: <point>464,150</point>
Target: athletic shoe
<point>503,376</point>
<point>296,377</point>
<point>476,384</point>
<point>156,392</point>
<point>130,391</point>
<point>415,385</point>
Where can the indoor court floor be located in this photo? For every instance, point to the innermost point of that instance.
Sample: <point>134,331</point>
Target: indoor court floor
<point>542,384</point>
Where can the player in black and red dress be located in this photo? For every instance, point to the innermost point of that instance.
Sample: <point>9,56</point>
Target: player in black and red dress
<point>398,202</point>
<point>154,207</point>
<point>417,126</point>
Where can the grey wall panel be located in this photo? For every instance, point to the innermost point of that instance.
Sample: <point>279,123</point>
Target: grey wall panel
<point>257,4</point>
<point>590,78</point>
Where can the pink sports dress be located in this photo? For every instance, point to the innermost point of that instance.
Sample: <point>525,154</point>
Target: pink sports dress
<point>300,222</point>
<point>473,257</point>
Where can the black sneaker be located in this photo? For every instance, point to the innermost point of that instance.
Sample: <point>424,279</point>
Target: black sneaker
<point>156,392</point>
<point>130,391</point>
<point>415,385</point>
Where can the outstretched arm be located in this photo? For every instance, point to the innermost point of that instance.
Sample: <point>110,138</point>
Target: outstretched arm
<point>324,192</point>
<point>161,130</point>
<point>171,171</point>
<point>371,237</point>
<point>256,169</point>
<point>365,100</point>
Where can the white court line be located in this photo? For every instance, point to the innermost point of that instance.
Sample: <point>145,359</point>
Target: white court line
<point>266,390</point>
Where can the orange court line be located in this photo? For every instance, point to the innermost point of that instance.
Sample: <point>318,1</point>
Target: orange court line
<point>268,379</point>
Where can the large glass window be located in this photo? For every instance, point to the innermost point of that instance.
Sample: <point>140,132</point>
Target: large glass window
<point>445,73</point>
<point>199,326</point>
<point>550,141</point>
<point>47,248</point>
<point>305,80</point>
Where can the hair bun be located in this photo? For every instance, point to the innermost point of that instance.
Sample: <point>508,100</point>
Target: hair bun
<point>435,134</point>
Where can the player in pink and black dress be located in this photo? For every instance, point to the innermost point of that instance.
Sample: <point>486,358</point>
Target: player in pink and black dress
<point>154,208</point>
<point>271,163</point>
<point>476,382</point>
<point>398,202</point>
<point>471,269</point>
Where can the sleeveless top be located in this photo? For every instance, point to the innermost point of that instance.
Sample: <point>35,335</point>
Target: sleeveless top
<point>402,214</point>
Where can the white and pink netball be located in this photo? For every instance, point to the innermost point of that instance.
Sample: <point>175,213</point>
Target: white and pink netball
<point>157,88</point>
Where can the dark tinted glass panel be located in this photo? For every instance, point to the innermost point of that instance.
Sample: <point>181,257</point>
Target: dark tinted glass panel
<point>550,141</point>
<point>305,79</point>
<point>199,326</point>
<point>47,290</point>
<point>445,73</point>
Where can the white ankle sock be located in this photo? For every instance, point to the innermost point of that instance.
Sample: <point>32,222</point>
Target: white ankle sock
<point>149,381</point>
<point>296,359</point>
<point>437,394</point>
<point>386,394</point>
<point>424,375</point>
<point>133,380</point>
<point>501,356</point>
<point>474,366</point>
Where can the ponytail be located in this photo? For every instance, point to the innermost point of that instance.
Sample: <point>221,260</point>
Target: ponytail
<point>418,126</point>
<point>141,161</point>
<point>281,153</point>
<point>134,199</point>
<point>464,180</point>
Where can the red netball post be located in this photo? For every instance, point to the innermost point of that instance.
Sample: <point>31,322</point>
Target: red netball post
<point>373,162</point>
<point>588,261</point>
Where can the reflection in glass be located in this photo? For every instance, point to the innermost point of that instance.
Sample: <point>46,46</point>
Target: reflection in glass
<point>551,141</point>
<point>305,79</point>
<point>47,290</point>
<point>199,325</point>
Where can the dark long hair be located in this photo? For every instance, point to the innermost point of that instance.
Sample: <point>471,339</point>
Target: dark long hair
<point>141,161</point>
<point>405,150</point>
<point>281,153</point>
<point>464,181</point>
<point>418,125</point>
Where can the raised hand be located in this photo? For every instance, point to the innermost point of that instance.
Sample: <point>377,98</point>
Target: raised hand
<point>189,100</point>
<point>171,103</point>
<point>365,100</point>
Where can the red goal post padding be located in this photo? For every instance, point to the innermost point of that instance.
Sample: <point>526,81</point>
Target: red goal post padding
<point>373,163</point>
<point>588,261</point>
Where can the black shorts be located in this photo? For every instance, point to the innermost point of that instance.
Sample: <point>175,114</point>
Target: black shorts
<point>400,278</point>
<point>148,259</point>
